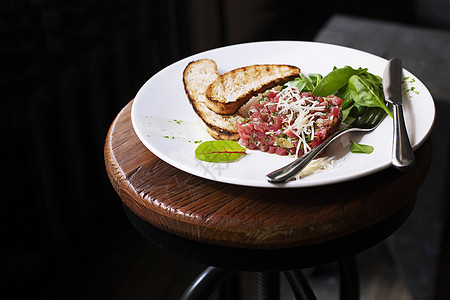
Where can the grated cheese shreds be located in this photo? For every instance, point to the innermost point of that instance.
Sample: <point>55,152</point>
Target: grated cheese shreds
<point>305,109</point>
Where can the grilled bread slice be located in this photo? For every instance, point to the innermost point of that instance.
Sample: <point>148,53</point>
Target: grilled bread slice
<point>197,76</point>
<point>229,91</point>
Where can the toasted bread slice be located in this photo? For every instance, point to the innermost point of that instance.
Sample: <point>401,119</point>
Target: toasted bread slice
<point>197,76</point>
<point>229,91</point>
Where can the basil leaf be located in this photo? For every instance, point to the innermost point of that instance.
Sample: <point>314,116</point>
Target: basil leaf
<point>335,80</point>
<point>366,92</point>
<point>360,148</point>
<point>219,151</point>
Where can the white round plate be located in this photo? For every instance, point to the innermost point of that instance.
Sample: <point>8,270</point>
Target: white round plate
<point>168,126</point>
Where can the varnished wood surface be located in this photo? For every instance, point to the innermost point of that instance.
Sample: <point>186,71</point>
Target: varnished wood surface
<point>237,216</point>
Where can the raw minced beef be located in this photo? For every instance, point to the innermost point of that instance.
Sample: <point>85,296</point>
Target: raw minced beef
<point>289,122</point>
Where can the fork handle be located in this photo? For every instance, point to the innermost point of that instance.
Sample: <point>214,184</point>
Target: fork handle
<point>287,172</point>
<point>402,153</point>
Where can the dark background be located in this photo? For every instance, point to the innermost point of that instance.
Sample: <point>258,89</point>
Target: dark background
<point>67,68</point>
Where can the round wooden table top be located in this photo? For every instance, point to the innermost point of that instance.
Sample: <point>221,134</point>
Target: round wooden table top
<point>244,217</point>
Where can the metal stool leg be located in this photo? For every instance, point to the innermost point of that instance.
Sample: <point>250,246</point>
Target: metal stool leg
<point>349,281</point>
<point>269,285</point>
<point>205,284</point>
<point>300,285</point>
<point>231,289</point>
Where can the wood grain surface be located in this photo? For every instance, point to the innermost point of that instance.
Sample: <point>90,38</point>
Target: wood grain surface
<point>245,217</point>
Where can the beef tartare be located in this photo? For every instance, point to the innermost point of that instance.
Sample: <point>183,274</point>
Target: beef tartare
<point>289,122</point>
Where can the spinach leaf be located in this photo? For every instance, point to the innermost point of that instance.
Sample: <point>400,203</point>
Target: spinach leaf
<point>219,151</point>
<point>347,97</point>
<point>315,78</point>
<point>349,108</point>
<point>367,92</point>
<point>346,113</point>
<point>305,84</point>
<point>360,148</point>
<point>335,80</point>
<point>299,83</point>
<point>357,110</point>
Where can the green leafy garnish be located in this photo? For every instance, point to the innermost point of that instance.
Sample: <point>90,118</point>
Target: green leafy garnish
<point>357,88</point>
<point>219,151</point>
<point>335,80</point>
<point>305,84</point>
<point>360,148</point>
<point>367,91</point>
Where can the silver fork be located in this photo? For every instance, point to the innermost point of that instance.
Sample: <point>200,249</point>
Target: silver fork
<point>368,121</point>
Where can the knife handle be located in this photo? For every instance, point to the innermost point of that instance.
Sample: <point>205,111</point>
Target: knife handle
<point>402,154</point>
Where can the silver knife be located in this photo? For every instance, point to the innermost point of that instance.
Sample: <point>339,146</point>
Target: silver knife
<point>402,153</point>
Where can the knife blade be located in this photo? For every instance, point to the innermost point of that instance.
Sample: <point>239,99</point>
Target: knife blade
<point>402,154</point>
